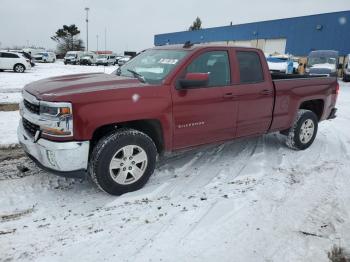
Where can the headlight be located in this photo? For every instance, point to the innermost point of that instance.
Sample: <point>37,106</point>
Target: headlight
<point>307,70</point>
<point>56,119</point>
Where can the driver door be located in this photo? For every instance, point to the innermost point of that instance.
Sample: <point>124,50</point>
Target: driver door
<point>203,114</point>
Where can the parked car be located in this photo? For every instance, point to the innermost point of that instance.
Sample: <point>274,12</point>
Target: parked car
<point>106,60</point>
<point>113,126</point>
<point>346,72</point>
<point>14,61</point>
<point>117,59</point>
<point>45,57</point>
<point>124,60</point>
<point>322,62</point>
<point>281,64</point>
<point>73,57</point>
<point>88,58</point>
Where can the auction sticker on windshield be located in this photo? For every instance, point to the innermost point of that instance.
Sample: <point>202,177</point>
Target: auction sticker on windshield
<point>168,61</point>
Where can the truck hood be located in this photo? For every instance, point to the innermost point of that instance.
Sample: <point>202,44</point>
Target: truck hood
<point>52,88</point>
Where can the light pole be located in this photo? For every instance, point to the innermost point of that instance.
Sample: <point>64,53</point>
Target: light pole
<point>97,43</point>
<point>87,28</point>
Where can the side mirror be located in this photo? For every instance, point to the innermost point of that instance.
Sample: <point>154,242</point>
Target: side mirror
<point>193,80</point>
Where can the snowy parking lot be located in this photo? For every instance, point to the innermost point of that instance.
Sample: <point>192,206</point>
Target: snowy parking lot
<point>246,200</point>
<point>11,83</point>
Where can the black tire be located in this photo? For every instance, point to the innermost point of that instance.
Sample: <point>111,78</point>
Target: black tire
<point>104,152</point>
<point>294,140</point>
<point>346,78</point>
<point>19,68</point>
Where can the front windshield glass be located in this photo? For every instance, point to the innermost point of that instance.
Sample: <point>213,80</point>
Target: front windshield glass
<point>102,56</point>
<point>153,65</point>
<point>71,54</point>
<point>320,60</point>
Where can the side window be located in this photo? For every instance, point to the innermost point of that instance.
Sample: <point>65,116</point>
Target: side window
<point>216,63</point>
<point>9,55</point>
<point>250,68</point>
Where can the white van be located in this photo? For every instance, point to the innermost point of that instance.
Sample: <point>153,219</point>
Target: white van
<point>73,57</point>
<point>106,60</point>
<point>13,61</point>
<point>45,57</point>
<point>88,58</point>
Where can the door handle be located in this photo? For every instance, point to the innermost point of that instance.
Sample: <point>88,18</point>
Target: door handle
<point>266,92</point>
<point>229,96</point>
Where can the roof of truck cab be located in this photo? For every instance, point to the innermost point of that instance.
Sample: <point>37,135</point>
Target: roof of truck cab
<point>197,46</point>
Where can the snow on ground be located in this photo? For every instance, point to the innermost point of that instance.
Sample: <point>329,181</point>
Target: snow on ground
<point>11,83</point>
<point>246,200</point>
<point>8,126</point>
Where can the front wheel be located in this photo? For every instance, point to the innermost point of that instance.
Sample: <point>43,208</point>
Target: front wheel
<point>303,132</point>
<point>123,161</point>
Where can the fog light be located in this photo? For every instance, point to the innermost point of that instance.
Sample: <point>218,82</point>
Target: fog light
<point>51,157</point>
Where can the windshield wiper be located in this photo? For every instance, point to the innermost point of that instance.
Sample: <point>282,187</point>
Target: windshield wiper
<point>138,76</point>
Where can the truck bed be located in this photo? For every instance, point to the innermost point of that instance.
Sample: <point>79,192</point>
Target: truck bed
<point>291,89</point>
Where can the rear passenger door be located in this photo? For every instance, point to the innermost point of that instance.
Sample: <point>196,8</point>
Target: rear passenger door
<point>255,93</point>
<point>8,60</point>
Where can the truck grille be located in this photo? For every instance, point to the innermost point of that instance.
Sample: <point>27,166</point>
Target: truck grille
<point>30,127</point>
<point>31,107</point>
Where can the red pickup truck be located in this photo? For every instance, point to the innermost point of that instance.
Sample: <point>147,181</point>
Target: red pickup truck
<point>113,126</point>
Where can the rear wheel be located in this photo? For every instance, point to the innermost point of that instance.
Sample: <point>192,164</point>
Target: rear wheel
<point>304,130</point>
<point>19,68</point>
<point>123,161</point>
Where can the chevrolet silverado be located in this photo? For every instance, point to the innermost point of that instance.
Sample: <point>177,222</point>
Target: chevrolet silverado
<point>112,127</point>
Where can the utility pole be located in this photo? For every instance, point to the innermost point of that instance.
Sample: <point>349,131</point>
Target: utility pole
<point>105,39</point>
<point>96,43</point>
<point>87,28</point>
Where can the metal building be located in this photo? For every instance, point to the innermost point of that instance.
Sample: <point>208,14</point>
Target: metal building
<point>297,36</point>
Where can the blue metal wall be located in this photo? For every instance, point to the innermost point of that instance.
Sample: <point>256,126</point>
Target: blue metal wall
<point>301,33</point>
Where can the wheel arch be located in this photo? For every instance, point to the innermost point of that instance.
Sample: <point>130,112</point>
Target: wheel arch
<point>151,127</point>
<point>314,105</point>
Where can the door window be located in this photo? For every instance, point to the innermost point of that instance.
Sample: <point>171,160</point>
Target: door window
<point>9,55</point>
<point>250,68</point>
<point>216,63</point>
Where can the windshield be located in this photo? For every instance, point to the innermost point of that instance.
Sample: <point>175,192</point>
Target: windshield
<point>102,56</point>
<point>70,54</point>
<point>321,60</point>
<point>153,65</point>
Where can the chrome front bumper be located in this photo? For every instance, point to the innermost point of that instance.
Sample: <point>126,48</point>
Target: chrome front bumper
<point>69,159</point>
